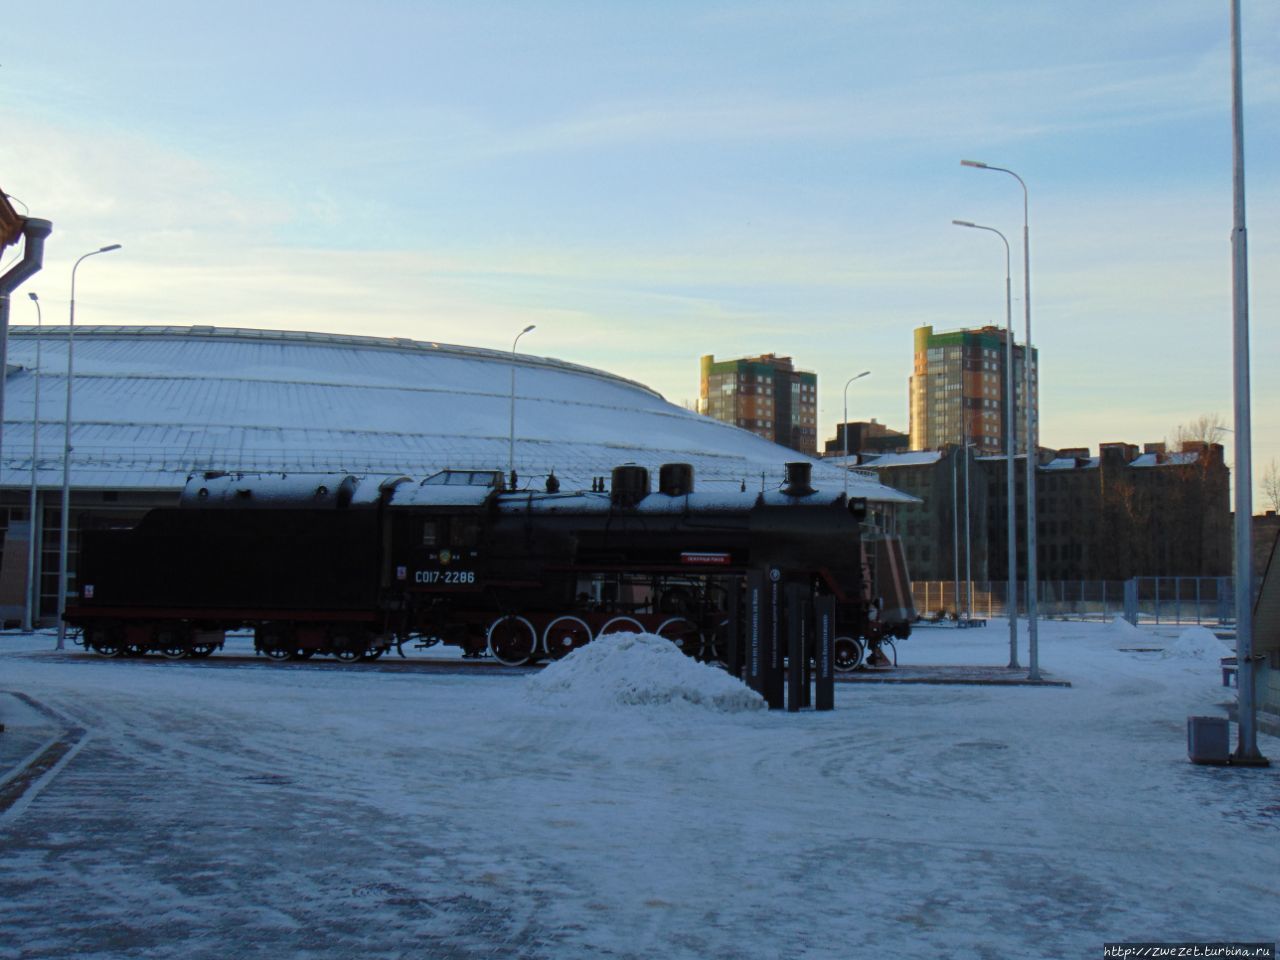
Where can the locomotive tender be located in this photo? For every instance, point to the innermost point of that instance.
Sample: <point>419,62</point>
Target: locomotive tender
<point>351,566</point>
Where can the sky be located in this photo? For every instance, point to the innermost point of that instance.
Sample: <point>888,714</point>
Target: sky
<point>648,183</point>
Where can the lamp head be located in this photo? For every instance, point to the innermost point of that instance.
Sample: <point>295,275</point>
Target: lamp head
<point>109,248</point>
<point>973,163</point>
<point>964,223</point>
<point>33,296</point>
<point>532,326</point>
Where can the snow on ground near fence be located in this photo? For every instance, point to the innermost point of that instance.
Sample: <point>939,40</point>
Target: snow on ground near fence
<point>291,810</point>
<point>1198,643</point>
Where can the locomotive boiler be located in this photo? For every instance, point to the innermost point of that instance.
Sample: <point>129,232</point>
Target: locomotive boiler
<point>351,567</point>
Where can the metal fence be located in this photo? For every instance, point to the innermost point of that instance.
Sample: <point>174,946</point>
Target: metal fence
<point>1201,600</point>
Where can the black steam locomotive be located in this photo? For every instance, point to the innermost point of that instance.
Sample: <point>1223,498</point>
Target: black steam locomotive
<point>351,567</point>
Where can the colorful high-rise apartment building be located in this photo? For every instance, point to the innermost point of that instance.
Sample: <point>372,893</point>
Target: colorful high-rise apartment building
<point>766,395</point>
<point>958,390</point>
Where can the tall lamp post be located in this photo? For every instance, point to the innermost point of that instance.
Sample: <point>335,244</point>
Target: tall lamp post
<point>1009,419</point>
<point>1032,433</point>
<point>64,532</point>
<point>33,589</point>
<point>845,428</point>
<point>1247,752</point>
<point>511,449</point>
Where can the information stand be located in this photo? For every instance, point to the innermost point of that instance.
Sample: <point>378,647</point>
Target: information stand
<point>824,654</point>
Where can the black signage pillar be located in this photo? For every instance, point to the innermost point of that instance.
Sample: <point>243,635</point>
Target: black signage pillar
<point>806,645</point>
<point>796,654</point>
<point>733,631</point>
<point>755,622</point>
<point>824,654</point>
<point>775,641</point>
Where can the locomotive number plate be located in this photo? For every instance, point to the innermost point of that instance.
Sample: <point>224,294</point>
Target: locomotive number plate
<point>446,578</point>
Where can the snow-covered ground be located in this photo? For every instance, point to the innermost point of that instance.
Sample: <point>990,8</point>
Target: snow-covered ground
<point>598,810</point>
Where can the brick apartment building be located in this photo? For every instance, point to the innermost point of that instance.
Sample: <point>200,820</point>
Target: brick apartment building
<point>766,395</point>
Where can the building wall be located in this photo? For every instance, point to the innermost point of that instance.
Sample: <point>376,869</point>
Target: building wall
<point>933,532</point>
<point>89,508</point>
<point>1266,530</point>
<point>865,437</point>
<point>765,395</point>
<point>1113,519</point>
<point>1105,518</point>
<point>1266,625</point>
<point>1268,696</point>
<point>958,389</point>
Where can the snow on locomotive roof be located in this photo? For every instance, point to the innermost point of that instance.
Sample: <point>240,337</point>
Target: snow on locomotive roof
<point>416,495</point>
<point>602,502</point>
<point>153,405</point>
<point>449,488</point>
<point>326,491</point>
<point>725,501</point>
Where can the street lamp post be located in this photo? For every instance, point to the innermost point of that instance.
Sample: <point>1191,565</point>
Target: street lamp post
<point>845,428</point>
<point>511,449</point>
<point>64,531</point>
<point>33,589</point>
<point>1032,432</point>
<point>1247,752</point>
<point>1009,419</point>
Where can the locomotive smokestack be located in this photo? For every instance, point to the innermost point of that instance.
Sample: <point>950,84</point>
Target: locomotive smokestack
<point>675,479</point>
<point>798,476</point>
<point>630,485</point>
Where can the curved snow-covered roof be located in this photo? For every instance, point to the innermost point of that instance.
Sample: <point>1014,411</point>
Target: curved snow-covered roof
<point>154,404</point>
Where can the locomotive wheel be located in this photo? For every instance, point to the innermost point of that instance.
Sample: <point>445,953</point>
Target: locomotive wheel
<point>848,654</point>
<point>564,635</point>
<point>302,653</point>
<point>171,641</point>
<point>274,640</point>
<point>512,640</point>
<point>105,641</point>
<point>683,632</point>
<point>202,650</point>
<point>373,653</point>
<point>621,625</point>
<point>349,644</point>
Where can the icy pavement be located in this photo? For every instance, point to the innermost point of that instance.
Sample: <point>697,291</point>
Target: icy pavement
<point>253,811</point>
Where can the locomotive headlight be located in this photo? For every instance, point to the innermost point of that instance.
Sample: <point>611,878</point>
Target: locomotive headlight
<point>445,557</point>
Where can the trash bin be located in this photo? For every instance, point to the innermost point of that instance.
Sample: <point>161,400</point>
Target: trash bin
<point>1208,740</point>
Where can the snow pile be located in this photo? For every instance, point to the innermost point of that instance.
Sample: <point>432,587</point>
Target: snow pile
<point>1196,643</point>
<point>630,669</point>
<point>1122,629</point>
